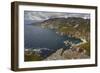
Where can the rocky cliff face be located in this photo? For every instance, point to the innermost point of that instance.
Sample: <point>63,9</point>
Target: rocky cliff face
<point>72,26</point>
<point>70,21</point>
<point>74,53</point>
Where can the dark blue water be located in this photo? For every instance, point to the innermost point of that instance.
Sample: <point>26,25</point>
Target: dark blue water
<point>37,37</point>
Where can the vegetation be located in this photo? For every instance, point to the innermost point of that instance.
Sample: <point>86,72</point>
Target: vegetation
<point>86,46</point>
<point>32,57</point>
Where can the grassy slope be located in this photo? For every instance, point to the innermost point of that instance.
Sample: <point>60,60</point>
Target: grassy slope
<point>32,57</point>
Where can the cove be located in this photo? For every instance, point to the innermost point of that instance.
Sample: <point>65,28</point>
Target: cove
<point>36,37</point>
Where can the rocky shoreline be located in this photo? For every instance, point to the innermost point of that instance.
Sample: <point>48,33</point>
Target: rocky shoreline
<point>68,54</point>
<point>73,53</point>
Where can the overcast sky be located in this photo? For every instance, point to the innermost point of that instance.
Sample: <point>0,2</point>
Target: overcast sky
<point>40,15</point>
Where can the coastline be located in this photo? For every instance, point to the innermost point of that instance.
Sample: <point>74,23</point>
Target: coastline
<point>83,42</point>
<point>72,53</point>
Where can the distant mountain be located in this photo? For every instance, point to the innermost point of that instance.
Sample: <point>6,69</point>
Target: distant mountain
<point>70,21</point>
<point>66,21</point>
<point>72,26</point>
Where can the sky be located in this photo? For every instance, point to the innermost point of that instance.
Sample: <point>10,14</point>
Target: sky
<point>41,15</point>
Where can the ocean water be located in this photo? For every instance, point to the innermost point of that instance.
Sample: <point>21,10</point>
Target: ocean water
<point>36,37</point>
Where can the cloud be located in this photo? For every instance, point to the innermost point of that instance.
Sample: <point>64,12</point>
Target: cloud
<point>40,15</point>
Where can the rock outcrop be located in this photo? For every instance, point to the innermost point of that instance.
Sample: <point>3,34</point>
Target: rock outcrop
<point>73,53</point>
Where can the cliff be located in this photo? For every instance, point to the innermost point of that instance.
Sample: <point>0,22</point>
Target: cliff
<point>74,53</point>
